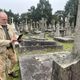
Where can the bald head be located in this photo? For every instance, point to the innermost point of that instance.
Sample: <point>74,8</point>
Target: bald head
<point>3,18</point>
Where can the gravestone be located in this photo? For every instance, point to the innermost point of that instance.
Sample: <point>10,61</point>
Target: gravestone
<point>67,26</point>
<point>36,67</point>
<point>43,24</point>
<point>26,27</point>
<point>42,36</point>
<point>37,25</point>
<point>31,27</point>
<point>57,33</point>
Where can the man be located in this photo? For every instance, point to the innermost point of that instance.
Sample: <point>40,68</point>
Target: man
<point>7,39</point>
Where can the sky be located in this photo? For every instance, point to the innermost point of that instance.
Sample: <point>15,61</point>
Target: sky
<point>21,6</point>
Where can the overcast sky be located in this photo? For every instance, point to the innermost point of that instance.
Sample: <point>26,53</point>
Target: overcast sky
<point>20,6</point>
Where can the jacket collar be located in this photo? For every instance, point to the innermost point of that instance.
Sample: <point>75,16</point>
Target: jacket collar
<point>2,28</point>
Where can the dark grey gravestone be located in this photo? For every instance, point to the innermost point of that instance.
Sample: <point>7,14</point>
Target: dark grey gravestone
<point>36,67</point>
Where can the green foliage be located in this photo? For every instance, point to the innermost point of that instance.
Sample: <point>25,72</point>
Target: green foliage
<point>71,8</point>
<point>43,10</point>
<point>67,46</point>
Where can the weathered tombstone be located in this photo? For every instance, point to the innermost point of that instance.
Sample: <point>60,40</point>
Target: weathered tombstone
<point>37,25</point>
<point>31,25</point>
<point>43,24</point>
<point>36,67</point>
<point>57,33</point>
<point>67,26</point>
<point>72,27</point>
<point>26,27</point>
<point>53,24</point>
<point>42,36</point>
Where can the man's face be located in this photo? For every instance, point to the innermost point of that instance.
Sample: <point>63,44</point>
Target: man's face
<point>3,19</point>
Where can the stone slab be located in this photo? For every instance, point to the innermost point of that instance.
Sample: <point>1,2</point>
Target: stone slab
<point>35,67</point>
<point>64,39</point>
<point>39,66</point>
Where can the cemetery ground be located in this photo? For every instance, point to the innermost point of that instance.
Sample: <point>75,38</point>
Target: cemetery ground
<point>66,47</point>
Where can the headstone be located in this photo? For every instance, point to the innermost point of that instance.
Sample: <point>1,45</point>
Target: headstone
<point>43,24</point>
<point>67,26</point>
<point>57,33</point>
<point>31,25</point>
<point>53,26</point>
<point>37,25</point>
<point>42,35</point>
<point>72,27</point>
<point>26,27</point>
<point>36,67</point>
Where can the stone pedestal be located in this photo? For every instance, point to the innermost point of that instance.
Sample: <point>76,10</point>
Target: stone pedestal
<point>66,69</point>
<point>35,67</point>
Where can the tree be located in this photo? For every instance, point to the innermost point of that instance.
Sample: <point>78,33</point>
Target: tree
<point>44,10</point>
<point>71,8</point>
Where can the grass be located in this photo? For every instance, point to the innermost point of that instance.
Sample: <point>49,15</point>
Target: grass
<point>17,70</point>
<point>67,46</point>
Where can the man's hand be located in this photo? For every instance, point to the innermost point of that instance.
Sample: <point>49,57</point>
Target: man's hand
<point>13,39</point>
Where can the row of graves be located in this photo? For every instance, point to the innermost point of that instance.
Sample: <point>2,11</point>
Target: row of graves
<point>36,39</point>
<point>65,34</point>
<point>58,32</point>
<point>53,66</point>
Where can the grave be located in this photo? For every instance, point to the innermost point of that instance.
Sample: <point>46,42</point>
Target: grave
<point>57,33</point>
<point>35,67</point>
<point>26,27</point>
<point>38,66</point>
<point>64,39</point>
<point>39,45</point>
